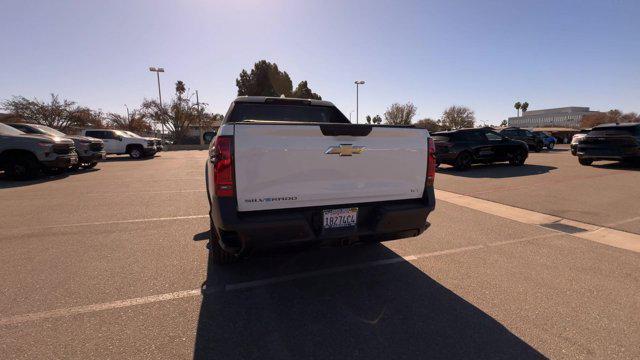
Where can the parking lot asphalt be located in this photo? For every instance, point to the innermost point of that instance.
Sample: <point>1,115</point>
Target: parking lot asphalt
<point>109,263</point>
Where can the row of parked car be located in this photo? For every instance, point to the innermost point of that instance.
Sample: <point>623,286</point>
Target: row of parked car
<point>28,149</point>
<point>465,147</point>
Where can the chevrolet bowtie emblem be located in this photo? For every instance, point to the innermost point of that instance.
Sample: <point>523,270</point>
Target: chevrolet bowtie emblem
<point>345,150</point>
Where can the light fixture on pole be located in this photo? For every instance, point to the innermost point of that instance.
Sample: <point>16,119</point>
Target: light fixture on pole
<point>358,83</point>
<point>158,71</point>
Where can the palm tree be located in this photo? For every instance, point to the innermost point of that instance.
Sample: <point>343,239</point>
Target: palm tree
<point>524,107</point>
<point>180,87</point>
<point>518,105</point>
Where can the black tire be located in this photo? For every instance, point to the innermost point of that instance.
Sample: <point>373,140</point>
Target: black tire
<point>216,253</point>
<point>538,147</point>
<point>551,145</point>
<point>585,162</point>
<point>90,165</point>
<point>22,167</point>
<point>518,157</point>
<point>136,152</point>
<point>463,161</point>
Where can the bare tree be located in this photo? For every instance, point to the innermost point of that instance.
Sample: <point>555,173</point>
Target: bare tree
<point>611,116</point>
<point>429,124</point>
<point>457,117</point>
<point>136,122</point>
<point>399,114</point>
<point>58,114</point>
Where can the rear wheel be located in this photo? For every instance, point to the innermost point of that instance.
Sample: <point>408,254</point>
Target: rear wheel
<point>585,162</point>
<point>518,157</point>
<point>22,167</point>
<point>463,161</point>
<point>216,253</point>
<point>551,145</point>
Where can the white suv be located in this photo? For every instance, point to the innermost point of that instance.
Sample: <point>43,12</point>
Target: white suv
<point>119,142</point>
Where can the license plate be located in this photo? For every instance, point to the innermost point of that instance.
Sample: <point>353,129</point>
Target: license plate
<point>340,218</point>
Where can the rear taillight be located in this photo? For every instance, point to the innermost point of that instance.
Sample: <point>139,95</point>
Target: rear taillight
<point>431,162</point>
<point>222,159</point>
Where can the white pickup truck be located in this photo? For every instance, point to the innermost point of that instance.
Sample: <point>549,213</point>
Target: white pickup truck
<point>120,142</point>
<point>287,171</point>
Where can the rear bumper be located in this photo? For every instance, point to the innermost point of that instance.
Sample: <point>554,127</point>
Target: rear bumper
<point>62,161</point>
<point>608,153</point>
<point>240,232</point>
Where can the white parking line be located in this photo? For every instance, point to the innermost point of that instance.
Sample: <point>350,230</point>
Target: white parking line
<point>599,234</point>
<point>31,317</point>
<point>126,221</point>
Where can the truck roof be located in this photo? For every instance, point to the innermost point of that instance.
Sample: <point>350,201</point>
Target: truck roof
<point>263,99</point>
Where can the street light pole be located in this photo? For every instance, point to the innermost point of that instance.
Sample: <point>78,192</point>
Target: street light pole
<point>158,71</point>
<point>358,82</point>
<point>128,117</point>
<point>199,118</point>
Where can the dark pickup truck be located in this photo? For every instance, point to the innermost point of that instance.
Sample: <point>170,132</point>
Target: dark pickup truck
<point>610,142</point>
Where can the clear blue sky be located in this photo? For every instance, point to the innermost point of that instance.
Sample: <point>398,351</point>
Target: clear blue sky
<point>482,54</point>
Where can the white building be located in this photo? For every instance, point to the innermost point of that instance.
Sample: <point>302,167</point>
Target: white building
<point>568,117</point>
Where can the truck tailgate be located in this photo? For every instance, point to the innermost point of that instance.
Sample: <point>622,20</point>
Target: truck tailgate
<point>281,165</point>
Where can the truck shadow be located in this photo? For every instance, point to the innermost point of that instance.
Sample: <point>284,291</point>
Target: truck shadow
<point>299,306</point>
<point>497,171</point>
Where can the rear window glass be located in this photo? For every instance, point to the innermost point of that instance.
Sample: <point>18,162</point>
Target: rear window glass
<point>615,131</point>
<point>286,112</point>
<point>440,138</point>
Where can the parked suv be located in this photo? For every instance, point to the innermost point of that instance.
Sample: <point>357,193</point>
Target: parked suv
<point>119,142</point>
<point>576,139</point>
<point>610,142</point>
<point>534,142</point>
<point>464,147</point>
<point>89,150</point>
<point>22,156</point>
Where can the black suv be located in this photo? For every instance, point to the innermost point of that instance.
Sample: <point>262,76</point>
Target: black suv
<point>534,142</point>
<point>464,147</point>
<point>610,142</point>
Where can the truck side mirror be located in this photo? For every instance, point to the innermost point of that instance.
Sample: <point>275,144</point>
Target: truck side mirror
<point>208,136</point>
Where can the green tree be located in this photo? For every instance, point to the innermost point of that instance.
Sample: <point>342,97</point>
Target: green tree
<point>518,105</point>
<point>302,91</point>
<point>457,117</point>
<point>524,107</point>
<point>400,114</point>
<point>504,123</point>
<point>265,79</point>
<point>377,120</point>
<point>368,119</point>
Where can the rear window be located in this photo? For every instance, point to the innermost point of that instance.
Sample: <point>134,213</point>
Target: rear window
<point>440,138</point>
<point>615,131</point>
<point>285,112</point>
